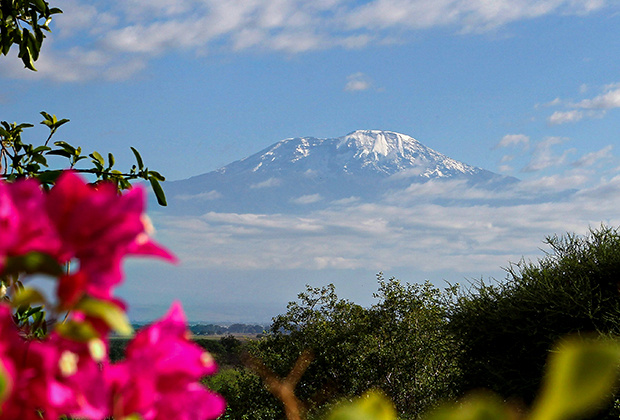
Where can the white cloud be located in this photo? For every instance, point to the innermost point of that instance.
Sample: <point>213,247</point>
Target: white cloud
<point>514,140</point>
<point>563,117</point>
<point>592,158</point>
<point>79,16</point>
<point>307,199</point>
<point>73,65</point>
<point>543,156</point>
<point>505,169</point>
<point>268,183</point>
<point>595,107</point>
<point>607,100</point>
<point>555,102</point>
<point>471,16</point>
<point>357,82</point>
<point>345,201</point>
<point>554,183</point>
<point>207,195</point>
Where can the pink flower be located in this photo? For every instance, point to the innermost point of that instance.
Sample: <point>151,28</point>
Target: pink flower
<point>54,376</point>
<point>33,366</point>
<point>24,225</point>
<point>159,378</point>
<point>99,227</point>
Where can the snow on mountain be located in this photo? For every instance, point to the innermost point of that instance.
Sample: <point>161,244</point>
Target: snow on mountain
<point>362,151</point>
<point>298,174</point>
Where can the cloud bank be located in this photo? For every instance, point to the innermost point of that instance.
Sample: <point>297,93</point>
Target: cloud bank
<point>436,226</point>
<point>116,39</point>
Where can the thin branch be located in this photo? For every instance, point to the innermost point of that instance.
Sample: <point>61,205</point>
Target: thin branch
<point>284,389</point>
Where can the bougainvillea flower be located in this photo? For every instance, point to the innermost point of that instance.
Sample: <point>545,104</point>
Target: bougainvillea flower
<point>24,225</point>
<point>159,378</point>
<point>34,365</point>
<point>99,227</point>
<point>54,376</point>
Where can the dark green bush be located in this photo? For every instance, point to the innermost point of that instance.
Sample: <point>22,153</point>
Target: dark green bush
<point>507,329</point>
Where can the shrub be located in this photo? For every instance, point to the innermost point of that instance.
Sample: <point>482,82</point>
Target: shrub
<point>399,345</point>
<point>507,329</point>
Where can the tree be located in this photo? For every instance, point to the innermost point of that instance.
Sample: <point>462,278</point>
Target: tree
<point>399,345</point>
<point>507,329</point>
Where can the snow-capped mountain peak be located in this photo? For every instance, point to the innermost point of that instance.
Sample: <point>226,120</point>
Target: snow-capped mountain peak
<point>384,153</point>
<point>364,164</point>
<point>378,143</point>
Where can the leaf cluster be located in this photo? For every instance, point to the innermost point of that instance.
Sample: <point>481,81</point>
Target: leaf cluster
<point>20,159</point>
<point>23,23</point>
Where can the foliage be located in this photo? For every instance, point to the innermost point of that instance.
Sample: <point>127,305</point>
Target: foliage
<point>370,406</point>
<point>20,159</point>
<point>507,329</point>
<point>399,345</point>
<point>22,23</point>
<point>580,377</point>
<point>245,394</point>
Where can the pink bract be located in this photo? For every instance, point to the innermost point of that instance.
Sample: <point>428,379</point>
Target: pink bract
<point>159,378</point>
<point>24,224</point>
<point>98,227</point>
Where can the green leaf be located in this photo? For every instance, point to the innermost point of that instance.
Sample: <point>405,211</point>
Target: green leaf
<point>77,330</point>
<point>157,175</point>
<point>24,51</point>
<point>138,158</point>
<point>159,192</point>
<point>476,406</point>
<point>110,159</point>
<point>39,159</point>
<point>41,149</point>
<point>60,153</point>
<point>31,263</point>
<point>65,146</point>
<point>26,297</point>
<point>108,312</point>
<point>371,406</point>
<point>61,122</point>
<point>48,177</point>
<point>580,378</point>
<point>40,4</point>
<point>34,46</point>
<point>97,157</point>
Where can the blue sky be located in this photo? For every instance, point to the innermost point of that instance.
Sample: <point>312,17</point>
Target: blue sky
<point>520,87</point>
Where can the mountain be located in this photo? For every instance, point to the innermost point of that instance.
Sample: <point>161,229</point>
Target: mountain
<point>303,174</point>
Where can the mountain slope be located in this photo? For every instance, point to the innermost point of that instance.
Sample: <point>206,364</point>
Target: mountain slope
<point>301,174</point>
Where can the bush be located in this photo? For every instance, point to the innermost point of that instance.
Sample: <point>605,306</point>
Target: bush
<point>507,329</point>
<point>400,345</point>
<point>246,397</point>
